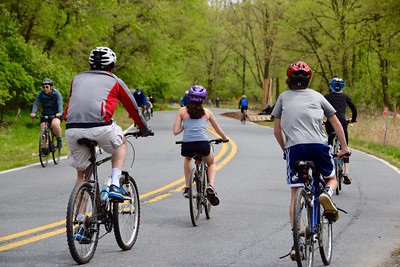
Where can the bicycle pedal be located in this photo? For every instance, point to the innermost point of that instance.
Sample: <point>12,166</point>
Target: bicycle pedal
<point>331,216</point>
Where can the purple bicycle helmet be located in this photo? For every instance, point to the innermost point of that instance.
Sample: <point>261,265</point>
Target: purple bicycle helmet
<point>197,93</point>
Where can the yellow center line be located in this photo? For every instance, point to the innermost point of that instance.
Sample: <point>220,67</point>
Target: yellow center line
<point>221,153</point>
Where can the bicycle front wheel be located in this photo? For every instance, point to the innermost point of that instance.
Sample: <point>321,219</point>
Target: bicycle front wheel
<point>55,151</point>
<point>44,149</point>
<point>194,198</point>
<point>81,212</point>
<point>325,238</point>
<point>302,233</point>
<point>126,215</point>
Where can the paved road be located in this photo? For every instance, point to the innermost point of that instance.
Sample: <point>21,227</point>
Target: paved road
<point>249,228</point>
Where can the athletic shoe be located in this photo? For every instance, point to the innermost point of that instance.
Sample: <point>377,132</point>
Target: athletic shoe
<point>212,195</point>
<point>329,206</point>
<point>81,235</point>
<point>293,253</point>
<point>346,178</point>
<point>59,142</point>
<point>185,192</point>
<point>118,194</point>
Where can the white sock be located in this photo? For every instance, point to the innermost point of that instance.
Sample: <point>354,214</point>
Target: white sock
<point>115,176</point>
<point>329,191</point>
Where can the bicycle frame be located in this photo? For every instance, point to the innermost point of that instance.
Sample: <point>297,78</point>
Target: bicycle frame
<point>313,186</point>
<point>310,225</point>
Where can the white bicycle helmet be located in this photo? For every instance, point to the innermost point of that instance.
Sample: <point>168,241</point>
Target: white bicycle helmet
<point>102,57</point>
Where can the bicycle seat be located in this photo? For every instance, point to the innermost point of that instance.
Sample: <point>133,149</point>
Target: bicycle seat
<point>87,142</point>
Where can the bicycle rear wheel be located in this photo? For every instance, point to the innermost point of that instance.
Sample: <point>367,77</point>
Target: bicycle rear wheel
<point>43,150</point>
<point>337,167</point>
<point>194,198</point>
<point>207,204</point>
<point>325,238</point>
<point>126,215</point>
<point>147,115</point>
<point>302,225</point>
<point>82,201</point>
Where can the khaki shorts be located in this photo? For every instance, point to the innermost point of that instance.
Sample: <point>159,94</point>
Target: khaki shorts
<point>109,138</point>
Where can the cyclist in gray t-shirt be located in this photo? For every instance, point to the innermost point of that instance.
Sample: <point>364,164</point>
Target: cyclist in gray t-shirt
<point>299,113</point>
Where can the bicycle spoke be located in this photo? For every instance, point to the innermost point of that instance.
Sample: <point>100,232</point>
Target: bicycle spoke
<point>82,244</point>
<point>126,216</point>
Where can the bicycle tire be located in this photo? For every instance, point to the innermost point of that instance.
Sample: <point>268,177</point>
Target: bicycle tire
<point>43,149</point>
<point>339,175</point>
<point>194,198</point>
<point>337,171</point>
<point>206,203</point>
<point>126,215</point>
<point>325,238</point>
<point>82,252</point>
<point>302,225</point>
<point>55,150</point>
<point>146,115</point>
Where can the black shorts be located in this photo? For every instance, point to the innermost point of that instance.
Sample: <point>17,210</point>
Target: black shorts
<point>189,149</point>
<point>49,120</point>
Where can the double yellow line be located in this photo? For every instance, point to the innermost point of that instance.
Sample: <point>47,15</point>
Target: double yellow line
<point>148,197</point>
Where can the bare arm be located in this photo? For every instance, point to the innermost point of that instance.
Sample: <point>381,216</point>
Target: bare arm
<point>278,133</point>
<point>178,125</point>
<point>215,125</point>
<point>337,126</point>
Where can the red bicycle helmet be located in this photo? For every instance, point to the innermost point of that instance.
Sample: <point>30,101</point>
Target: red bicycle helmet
<point>299,74</point>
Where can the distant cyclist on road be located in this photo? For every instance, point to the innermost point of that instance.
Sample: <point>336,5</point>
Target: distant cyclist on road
<point>340,101</point>
<point>298,114</point>
<point>140,98</point>
<point>184,101</point>
<point>191,120</point>
<point>243,105</point>
<point>52,105</point>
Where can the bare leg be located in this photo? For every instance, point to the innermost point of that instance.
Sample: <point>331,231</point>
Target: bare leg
<point>331,182</point>
<point>55,125</point>
<point>212,168</point>
<point>187,166</point>
<point>293,191</point>
<point>118,159</point>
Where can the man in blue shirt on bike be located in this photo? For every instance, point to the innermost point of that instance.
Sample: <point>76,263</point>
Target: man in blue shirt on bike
<point>52,105</point>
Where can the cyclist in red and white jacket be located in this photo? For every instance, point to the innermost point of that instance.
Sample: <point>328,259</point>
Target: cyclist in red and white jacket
<point>94,96</point>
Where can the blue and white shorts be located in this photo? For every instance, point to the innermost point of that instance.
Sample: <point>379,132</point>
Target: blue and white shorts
<point>319,153</point>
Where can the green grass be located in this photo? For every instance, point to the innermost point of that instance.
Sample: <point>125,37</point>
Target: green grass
<point>19,137</point>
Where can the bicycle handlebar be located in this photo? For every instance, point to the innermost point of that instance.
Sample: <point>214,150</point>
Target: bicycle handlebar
<point>45,116</point>
<point>213,141</point>
<point>348,154</point>
<point>138,134</point>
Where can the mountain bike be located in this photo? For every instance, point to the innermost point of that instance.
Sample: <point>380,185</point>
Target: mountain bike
<point>339,163</point>
<point>85,202</point>
<point>46,142</point>
<point>198,185</point>
<point>311,224</point>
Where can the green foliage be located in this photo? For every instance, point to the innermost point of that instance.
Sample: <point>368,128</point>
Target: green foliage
<point>230,47</point>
